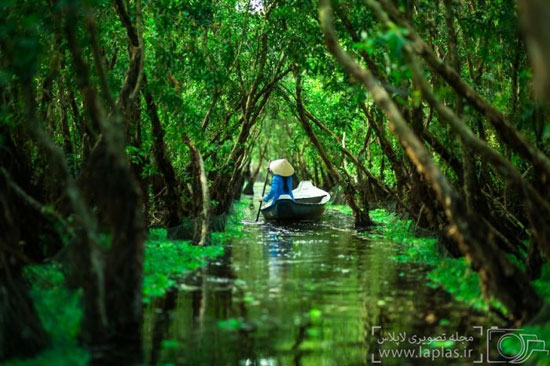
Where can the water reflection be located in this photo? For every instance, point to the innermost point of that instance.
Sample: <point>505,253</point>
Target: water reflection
<point>300,294</point>
<point>279,241</point>
<point>279,246</point>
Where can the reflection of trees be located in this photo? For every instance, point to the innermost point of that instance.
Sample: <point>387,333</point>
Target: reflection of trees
<point>283,273</point>
<point>162,323</point>
<point>189,317</point>
<point>279,243</point>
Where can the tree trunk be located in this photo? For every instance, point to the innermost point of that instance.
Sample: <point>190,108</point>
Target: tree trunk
<point>201,197</point>
<point>362,218</point>
<point>498,277</point>
<point>21,332</point>
<point>173,198</point>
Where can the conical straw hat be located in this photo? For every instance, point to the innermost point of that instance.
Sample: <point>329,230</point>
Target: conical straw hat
<point>281,167</point>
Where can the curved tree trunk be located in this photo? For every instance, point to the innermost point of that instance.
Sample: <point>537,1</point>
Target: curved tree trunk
<point>498,277</point>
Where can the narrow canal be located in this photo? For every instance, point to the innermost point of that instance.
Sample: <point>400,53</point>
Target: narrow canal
<point>305,294</point>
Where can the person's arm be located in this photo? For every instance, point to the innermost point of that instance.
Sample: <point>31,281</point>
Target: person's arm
<point>273,189</point>
<point>290,187</point>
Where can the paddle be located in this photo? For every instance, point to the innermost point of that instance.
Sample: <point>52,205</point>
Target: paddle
<point>263,192</point>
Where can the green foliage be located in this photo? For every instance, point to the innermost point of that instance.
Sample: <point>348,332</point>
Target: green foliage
<point>165,260</point>
<point>170,344</point>
<point>537,358</point>
<point>393,39</point>
<point>58,356</point>
<point>315,316</point>
<point>234,226</point>
<point>454,275</point>
<point>345,209</point>
<point>57,306</point>
<point>542,285</point>
<point>415,249</point>
<point>230,325</point>
<point>203,58</point>
<point>60,313</point>
<point>19,31</point>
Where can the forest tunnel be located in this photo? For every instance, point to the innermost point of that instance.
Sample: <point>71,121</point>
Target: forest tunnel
<point>118,116</point>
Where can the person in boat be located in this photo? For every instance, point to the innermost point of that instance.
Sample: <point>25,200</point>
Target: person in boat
<point>282,180</point>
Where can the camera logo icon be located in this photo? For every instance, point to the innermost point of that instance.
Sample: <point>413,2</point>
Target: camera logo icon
<point>512,345</point>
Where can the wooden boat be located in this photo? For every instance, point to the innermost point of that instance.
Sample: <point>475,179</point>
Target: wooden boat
<point>309,204</point>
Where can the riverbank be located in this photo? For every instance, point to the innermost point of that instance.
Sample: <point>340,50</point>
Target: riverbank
<point>59,308</point>
<point>453,275</point>
<point>289,290</point>
<point>301,293</point>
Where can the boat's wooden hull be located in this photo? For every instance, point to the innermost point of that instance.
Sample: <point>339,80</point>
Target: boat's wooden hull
<point>285,210</point>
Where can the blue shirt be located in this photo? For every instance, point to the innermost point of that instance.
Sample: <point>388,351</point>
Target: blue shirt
<point>278,188</point>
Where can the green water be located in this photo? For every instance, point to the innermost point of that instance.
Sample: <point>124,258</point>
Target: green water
<point>305,294</point>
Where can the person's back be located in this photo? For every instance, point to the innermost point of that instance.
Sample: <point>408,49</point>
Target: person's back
<point>279,185</point>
